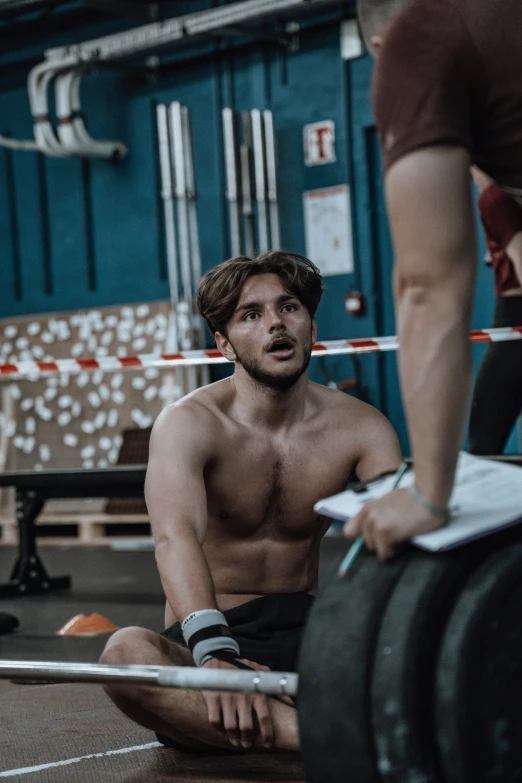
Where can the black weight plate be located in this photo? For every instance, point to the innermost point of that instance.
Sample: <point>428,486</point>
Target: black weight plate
<point>334,672</point>
<point>479,680</point>
<point>403,681</point>
<point>405,657</point>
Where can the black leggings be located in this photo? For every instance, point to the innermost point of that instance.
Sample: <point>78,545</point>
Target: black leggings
<point>497,397</point>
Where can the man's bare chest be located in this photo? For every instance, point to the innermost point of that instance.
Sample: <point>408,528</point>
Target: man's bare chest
<point>258,487</point>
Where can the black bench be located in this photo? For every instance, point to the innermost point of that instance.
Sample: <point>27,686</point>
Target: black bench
<point>33,489</point>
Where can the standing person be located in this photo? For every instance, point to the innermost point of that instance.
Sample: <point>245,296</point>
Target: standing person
<point>234,471</point>
<point>447,93</point>
<point>497,396</point>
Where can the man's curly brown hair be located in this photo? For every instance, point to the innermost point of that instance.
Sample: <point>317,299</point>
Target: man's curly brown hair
<point>220,289</point>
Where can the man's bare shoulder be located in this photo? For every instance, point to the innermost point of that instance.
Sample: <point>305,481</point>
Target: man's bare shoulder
<point>199,416</point>
<point>346,409</point>
<point>359,430</point>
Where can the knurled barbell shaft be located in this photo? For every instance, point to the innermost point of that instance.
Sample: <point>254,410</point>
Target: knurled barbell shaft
<point>189,677</point>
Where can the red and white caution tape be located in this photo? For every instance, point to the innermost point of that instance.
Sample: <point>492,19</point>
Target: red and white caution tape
<point>32,370</point>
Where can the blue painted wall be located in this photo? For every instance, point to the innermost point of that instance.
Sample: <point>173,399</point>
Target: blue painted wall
<point>78,234</point>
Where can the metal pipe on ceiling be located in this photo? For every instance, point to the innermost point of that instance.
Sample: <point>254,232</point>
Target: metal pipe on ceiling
<point>181,29</point>
<point>28,6</point>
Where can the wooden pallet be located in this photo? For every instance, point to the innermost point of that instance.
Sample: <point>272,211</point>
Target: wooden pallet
<point>90,528</point>
<point>9,530</point>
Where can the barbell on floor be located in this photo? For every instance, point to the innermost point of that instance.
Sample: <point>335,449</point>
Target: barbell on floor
<point>189,677</point>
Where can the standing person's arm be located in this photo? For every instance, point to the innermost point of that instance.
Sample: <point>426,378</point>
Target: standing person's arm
<point>431,217</point>
<point>432,104</point>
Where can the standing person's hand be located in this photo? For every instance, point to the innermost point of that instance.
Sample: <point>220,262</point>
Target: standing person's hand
<point>244,718</point>
<point>388,522</point>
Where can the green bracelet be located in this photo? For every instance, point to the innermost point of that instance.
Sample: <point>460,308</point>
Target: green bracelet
<point>442,512</point>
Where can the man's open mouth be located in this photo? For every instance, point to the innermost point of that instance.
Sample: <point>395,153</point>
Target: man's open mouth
<point>282,347</point>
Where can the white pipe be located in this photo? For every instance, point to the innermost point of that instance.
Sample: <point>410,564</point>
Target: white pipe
<point>246,199</point>
<point>167,195</point>
<point>173,381</point>
<point>180,188</point>
<point>271,176</point>
<point>186,306</point>
<point>63,112</point>
<point>190,186</point>
<point>113,150</point>
<point>229,141</point>
<point>18,144</point>
<point>71,129</point>
<point>37,85</point>
<point>245,160</point>
<point>72,136</point>
<point>195,252</point>
<point>260,179</point>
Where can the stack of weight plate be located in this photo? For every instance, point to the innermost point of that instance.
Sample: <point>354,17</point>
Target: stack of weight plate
<point>411,670</point>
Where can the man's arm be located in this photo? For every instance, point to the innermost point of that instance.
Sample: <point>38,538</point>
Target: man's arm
<point>180,447</point>
<point>176,500</point>
<point>429,206</point>
<point>380,449</point>
<point>430,211</point>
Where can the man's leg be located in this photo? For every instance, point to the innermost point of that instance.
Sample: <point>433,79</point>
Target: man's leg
<point>178,714</point>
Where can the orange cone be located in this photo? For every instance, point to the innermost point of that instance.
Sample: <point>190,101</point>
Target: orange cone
<point>87,625</point>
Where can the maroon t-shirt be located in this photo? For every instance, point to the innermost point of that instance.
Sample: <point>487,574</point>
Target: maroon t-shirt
<point>502,219</point>
<point>450,73</point>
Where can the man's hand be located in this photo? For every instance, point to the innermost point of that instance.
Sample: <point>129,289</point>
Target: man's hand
<point>389,521</point>
<point>244,718</point>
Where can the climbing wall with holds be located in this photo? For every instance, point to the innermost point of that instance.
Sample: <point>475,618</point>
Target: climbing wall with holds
<point>76,420</point>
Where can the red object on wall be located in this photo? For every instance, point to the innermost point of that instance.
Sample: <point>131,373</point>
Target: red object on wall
<point>319,143</point>
<point>355,303</point>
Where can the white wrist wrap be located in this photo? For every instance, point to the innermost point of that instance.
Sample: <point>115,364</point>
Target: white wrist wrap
<point>205,632</point>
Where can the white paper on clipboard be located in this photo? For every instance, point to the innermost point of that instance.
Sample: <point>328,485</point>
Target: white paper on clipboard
<point>487,497</point>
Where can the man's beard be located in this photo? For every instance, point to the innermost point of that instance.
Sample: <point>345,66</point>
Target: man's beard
<point>276,382</point>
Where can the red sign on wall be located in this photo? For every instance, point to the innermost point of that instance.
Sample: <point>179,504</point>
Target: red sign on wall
<point>319,143</point>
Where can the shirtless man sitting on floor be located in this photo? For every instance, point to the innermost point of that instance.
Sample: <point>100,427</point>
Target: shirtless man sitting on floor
<point>235,469</point>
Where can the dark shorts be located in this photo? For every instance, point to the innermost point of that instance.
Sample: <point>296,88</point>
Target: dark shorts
<point>268,631</point>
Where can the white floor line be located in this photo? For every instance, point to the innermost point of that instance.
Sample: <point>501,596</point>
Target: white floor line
<point>8,773</point>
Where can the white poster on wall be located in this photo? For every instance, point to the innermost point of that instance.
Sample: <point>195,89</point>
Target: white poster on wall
<point>328,229</point>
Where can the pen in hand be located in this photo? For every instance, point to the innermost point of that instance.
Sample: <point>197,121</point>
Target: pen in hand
<point>358,544</point>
